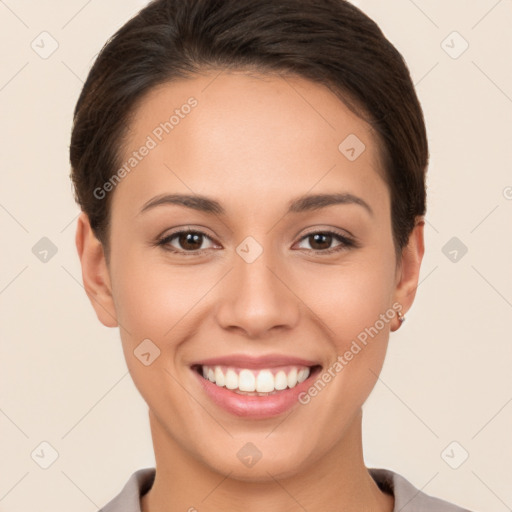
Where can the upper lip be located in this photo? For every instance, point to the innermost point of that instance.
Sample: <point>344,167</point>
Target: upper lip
<point>265,361</point>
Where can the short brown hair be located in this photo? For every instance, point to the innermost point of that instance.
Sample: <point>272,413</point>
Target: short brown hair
<point>330,42</point>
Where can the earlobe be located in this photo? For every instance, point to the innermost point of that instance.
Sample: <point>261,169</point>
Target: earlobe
<point>95,273</point>
<point>409,270</point>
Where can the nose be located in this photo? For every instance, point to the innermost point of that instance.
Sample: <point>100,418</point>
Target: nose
<point>256,298</point>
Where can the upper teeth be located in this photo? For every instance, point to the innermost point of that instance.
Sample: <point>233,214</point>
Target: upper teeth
<point>262,381</point>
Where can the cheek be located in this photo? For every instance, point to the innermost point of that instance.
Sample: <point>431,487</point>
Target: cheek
<point>151,297</point>
<point>152,301</point>
<point>350,298</point>
<point>354,306</point>
<point>354,310</point>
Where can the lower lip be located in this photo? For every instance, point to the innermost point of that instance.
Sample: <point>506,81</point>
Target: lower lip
<point>248,406</point>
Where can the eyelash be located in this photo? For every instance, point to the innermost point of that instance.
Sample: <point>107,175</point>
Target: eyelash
<point>346,242</point>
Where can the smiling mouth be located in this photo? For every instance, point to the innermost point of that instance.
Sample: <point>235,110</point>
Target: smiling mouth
<point>256,382</point>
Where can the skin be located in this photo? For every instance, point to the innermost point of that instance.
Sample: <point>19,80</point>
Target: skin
<point>253,143</point>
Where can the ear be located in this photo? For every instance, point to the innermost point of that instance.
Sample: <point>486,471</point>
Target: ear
<point>409,270</point>
<point>95,273</point>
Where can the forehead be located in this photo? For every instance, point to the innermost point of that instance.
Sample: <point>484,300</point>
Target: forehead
<point>240,134</point>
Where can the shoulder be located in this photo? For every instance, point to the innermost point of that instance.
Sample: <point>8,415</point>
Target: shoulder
<point>128,500</point>
<point>407,497</point>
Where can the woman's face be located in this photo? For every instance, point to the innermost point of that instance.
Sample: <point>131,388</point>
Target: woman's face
<point>252,280</point>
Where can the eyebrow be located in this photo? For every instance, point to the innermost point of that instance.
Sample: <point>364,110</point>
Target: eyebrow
<point>298,205</point>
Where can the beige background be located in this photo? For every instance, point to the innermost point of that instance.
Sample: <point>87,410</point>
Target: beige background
<point>447,375</point>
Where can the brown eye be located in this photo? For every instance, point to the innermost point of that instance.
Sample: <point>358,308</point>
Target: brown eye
<point>321,242</point>
<point>184,241</point>
<point>190,241</point>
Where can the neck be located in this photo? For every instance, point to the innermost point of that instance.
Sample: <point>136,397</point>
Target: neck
<point>338,480</point>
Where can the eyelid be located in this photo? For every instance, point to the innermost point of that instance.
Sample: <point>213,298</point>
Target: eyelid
<point>328,229</point>
<point>164,240</point>
<point>346,241</point>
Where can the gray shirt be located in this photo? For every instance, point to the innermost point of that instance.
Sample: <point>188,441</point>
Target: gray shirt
<point>407,497</point>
